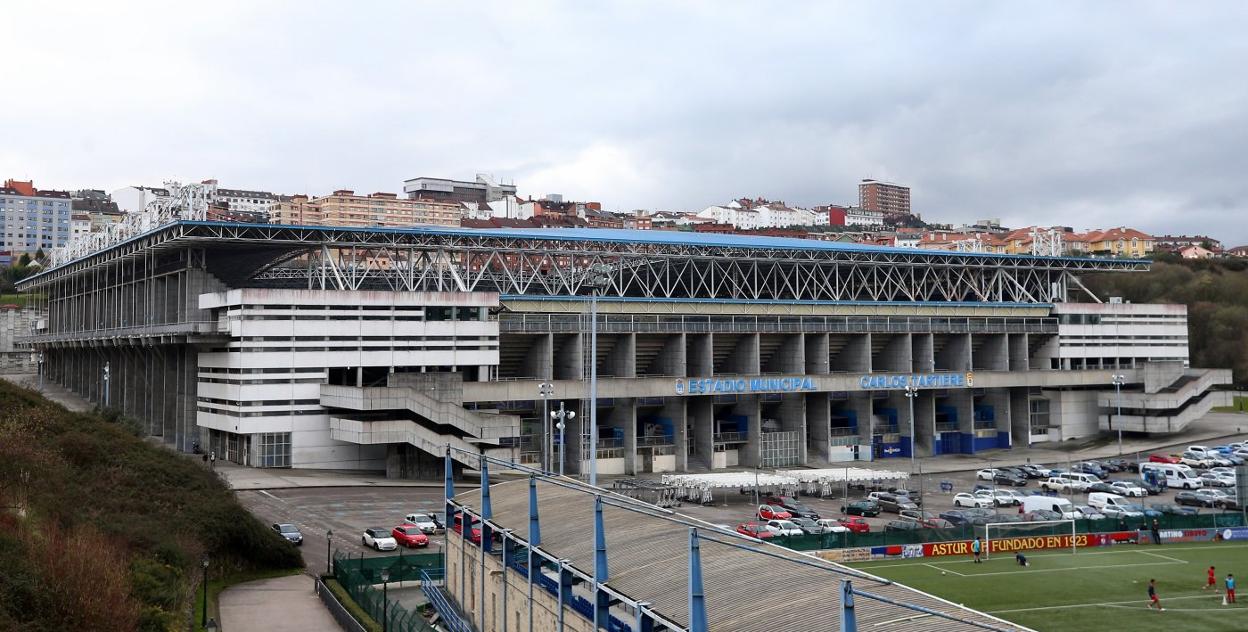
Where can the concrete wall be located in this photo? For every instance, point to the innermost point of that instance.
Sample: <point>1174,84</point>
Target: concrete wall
<point>13,323</point>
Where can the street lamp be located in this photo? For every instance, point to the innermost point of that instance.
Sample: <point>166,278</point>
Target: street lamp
<point>1118,379</point>
<point>912,392</point>
<point>560,416</point>
<point>40,370</point>
<point>106,367</point>
<point>329,557</point>
<point>598,279</point>
<point>203,621</point>
<point>546,389</point>
<point>385,599</point>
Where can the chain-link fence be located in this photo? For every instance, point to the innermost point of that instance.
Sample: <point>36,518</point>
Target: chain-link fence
<point>360,577</point>
<point>970,531</point>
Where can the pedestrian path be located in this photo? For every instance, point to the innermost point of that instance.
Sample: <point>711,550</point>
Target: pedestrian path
<point>280,604</point>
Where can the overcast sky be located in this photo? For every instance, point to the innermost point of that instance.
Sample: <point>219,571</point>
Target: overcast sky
<point>1088,115</point>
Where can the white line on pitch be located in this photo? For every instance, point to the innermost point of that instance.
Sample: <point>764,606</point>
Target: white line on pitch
<point>1070,568</point>
<point>1090,605</point>
<point>943,570</point>
<point>1164,557</point>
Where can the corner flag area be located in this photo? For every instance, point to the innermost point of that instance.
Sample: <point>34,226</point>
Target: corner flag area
<point>1098,589</point>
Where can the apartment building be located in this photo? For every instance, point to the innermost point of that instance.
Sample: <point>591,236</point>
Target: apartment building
<point>884,197</point>
<point>31,219</point>
<point>344,208</point>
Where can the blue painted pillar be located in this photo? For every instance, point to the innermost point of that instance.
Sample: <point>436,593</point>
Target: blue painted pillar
<point>644,623</point>
<point>697,598</point>
<point>487,512</point>
<point>849,621</point>
<point>535,540</point>
<point>602,601</point>
<point>565,589</point>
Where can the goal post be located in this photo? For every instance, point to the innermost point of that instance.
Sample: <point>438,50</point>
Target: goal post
<point>1036,530</point>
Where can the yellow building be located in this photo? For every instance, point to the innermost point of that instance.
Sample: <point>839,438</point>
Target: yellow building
<point>345,208</point>
<point>1118,242</point>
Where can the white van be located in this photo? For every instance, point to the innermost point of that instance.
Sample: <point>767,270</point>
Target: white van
<point>1059,505</point>
<point>1176,476</point>
<point>1112,505</point>
<point>1079,480</point>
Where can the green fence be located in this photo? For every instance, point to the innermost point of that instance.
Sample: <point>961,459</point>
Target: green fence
<point>967,532</point>
<point>360,576</point>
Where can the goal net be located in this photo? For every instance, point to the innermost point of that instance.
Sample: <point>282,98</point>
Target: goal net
<point>1008,538</point>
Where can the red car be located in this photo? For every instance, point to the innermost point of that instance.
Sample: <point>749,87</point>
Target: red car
<point>409,535</point>
<point>755,530</point>
<point>476,529</point>
<point>1163,458</point>
<point>855,523</point>
<point>772,512</point>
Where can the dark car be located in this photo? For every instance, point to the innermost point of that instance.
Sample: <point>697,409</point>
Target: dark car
<point>1043,514</point>
<point>1198,499</point>
<point>290,532</point>
<point>809,526</point>
<point>957,516</point>
<point>795,508</point>
<point>1152,488</point>
<point>1005,478</point>
<point>1033,471</point>
<point>902,525</point>
<point>1174,510</point>
<point>1101,487</point>
<point>1229,504</point>
<point>1113,465</point>
<point>1091,467</point>
<point>866,508</point>
<point>895,504</point>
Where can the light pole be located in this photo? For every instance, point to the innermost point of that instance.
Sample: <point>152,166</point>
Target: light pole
<point>385,599</point>
<point>203,621</point>
<point>106,367</point>
<point>912,391</point>
<point>560,416</point>
<point>598,279</point>
<point>40,370</point>
<point>329,556</point>
<point>1118,380</point>
<point>546,389</point>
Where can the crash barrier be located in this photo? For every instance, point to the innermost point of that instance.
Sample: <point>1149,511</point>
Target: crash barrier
<point>970,532</point>
<point>361,577</point>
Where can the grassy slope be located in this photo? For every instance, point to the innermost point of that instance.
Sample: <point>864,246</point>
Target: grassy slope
<point>1095,589</point>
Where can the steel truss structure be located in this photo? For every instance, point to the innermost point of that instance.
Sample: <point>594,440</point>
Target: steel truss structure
<point>551,263</point>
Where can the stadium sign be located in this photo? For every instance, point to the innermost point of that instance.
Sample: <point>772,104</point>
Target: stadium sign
<point>917,380</point>
<point>1010,545</point>
<point>727,385</point>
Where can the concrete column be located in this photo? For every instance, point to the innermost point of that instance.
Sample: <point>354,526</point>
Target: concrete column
<point>818,426</point>
<point>748,405</point>
<point>699,355</point>
<point>624,415</point>
<point>621,360</point>
<point>702,414</point>
<point>999,399</point>
<point>670,359</point>
<point>961,400</point>
<point>922,359</point>
<point>1018,352</point>
<point>894,356</point>
<point>788,358</point>
<point>1020,412</point>
<point>539,362</point>
<point>793,418</point>
<point>956,354</point>
<point>924,423</point>
<point>992,353</point>
<point>854,356</point>
<point>743,359</point>
<point>674,409</point>
<point>816,353</point>
<point>568,356</point>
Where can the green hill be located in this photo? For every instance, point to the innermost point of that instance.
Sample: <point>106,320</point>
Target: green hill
<point>101,530</point>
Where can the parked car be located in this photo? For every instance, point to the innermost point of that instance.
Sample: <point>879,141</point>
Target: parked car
<point>1006,478</point>
<point>868,508</point>
<point>1152,488</point>
<point>425,521</point>
<point>475,534</point>
<point>1091,467</point>
<point>1036,471</point>
<point>290,532</point>
<point>1056,484</point>
<point>410,536</point>
<point>1042,514</point>
<point>891,502</point>
<point>999,498</point>
<point>1087,513</point>
<point>379,539</point>
<point>1230,504</point>
<point>1100,486</point>
<point>784,528</point>
<point>831,525</point>
<point>956,516</point>
<point>1127,488</point>
<point>772,512</point>
<point>808,526</point>
<point>755,530</point>
<point>1198,498</point>
<point>986,474</point>
<point>969,500</point>
<point>1174,510</point>
<point>902,525</point>
<point>795,508</point>
<point>1214,479</point>
<point>856,524</point>
<point>1148,512</point>
<point>1163,458</point>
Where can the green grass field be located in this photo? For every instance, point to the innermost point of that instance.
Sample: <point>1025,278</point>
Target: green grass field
<point>1094,589</point>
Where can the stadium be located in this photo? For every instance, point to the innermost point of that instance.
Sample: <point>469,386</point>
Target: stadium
<point>375,348</point>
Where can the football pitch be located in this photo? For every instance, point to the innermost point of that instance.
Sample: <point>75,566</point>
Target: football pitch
<point>1094,589</point>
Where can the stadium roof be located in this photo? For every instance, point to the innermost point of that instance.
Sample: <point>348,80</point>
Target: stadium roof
<point>647,560</point>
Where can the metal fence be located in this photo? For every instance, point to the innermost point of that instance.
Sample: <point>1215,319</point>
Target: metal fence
<point>360,577</point>
<point>970,531</point>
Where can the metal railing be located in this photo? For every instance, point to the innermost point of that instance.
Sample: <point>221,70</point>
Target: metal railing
<point>729,437</point>
<point>654,323</point>
<point>947,426</point>
<point>430,585</point>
